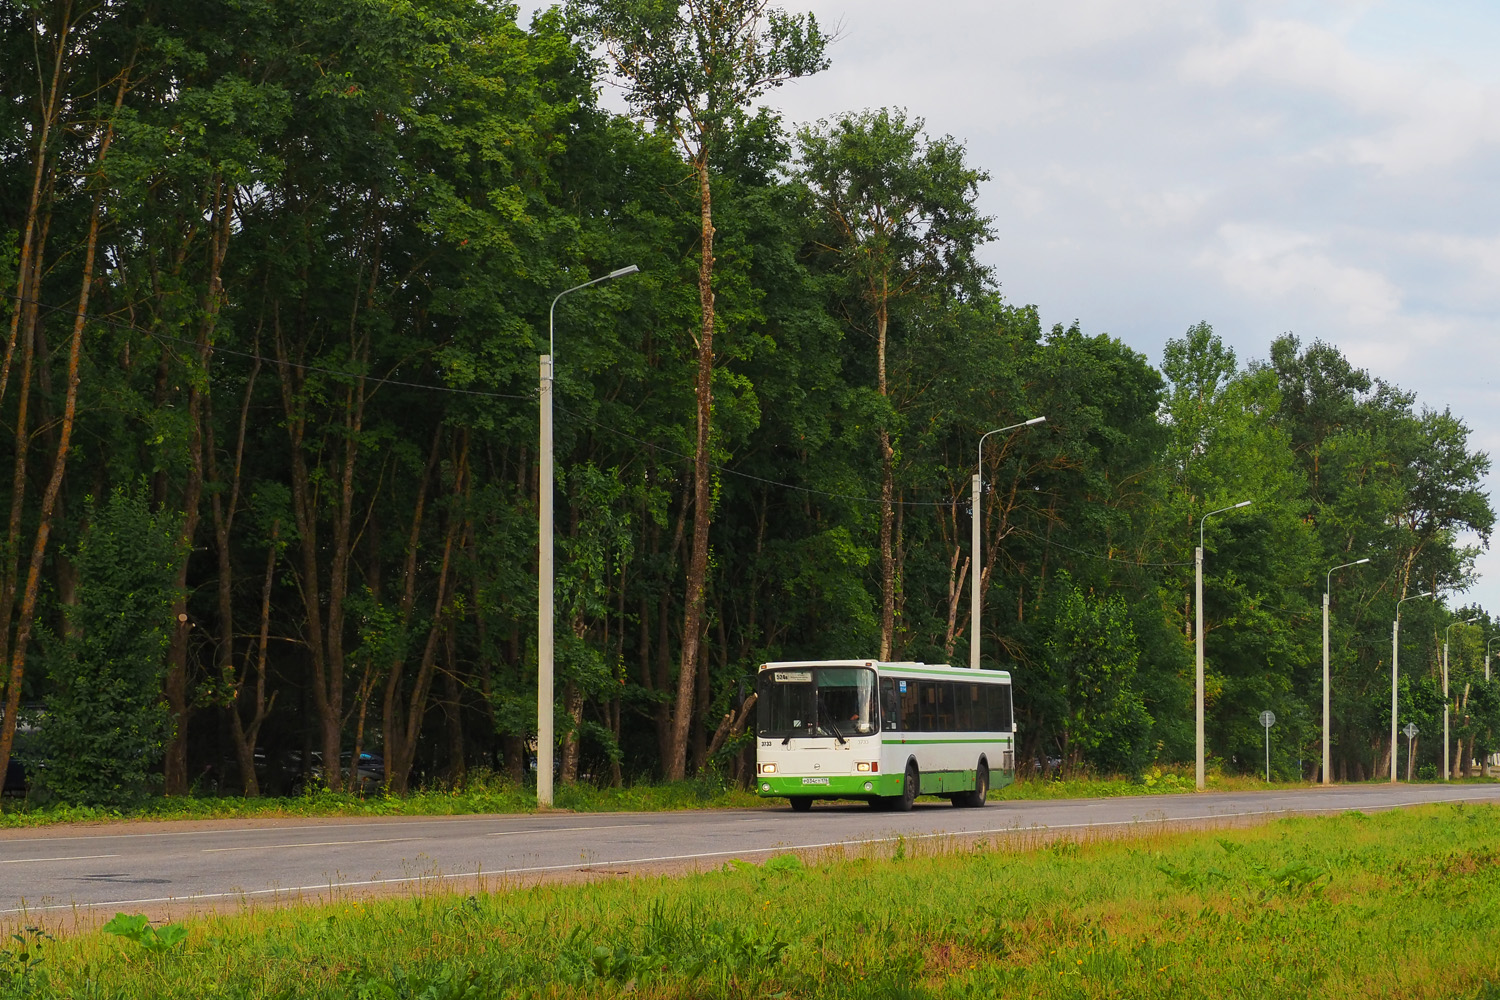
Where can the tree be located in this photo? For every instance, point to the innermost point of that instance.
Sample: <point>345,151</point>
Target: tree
<point>1092,655</point>
<point>105,725</point>
<point>1224,445</point>
<point>691,69</point>
<point>898,211</point>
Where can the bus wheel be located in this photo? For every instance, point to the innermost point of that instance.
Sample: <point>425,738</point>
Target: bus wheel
<point>801,804</point>
<point>975,799</point>
<point>910,784</point>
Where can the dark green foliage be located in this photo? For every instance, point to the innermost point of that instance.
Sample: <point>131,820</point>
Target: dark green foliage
<point>1092,658</point>
<point>102,732</point>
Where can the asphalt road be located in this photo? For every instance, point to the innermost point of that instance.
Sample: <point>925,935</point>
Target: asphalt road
<point>146,866</point>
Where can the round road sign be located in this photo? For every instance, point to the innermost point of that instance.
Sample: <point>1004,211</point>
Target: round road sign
<point>1268,719</point>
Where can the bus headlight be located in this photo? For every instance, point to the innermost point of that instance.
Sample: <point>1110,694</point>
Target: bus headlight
<point>872,766</point>
<point>768,769</point>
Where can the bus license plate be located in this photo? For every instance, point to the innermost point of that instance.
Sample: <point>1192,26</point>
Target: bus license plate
<point>815,781</point>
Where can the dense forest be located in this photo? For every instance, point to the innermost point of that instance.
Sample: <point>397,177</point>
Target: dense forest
<point>277,275</point>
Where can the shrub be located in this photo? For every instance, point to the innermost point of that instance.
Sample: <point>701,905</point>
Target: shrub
<point>103,729</point>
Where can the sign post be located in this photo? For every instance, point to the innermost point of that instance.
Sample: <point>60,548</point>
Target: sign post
<point>1411,733</point>
<point>1268,719</point>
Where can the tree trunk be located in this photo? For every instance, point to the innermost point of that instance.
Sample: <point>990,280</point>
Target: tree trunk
<point>697,575</point>
<point>26,616</point>
<point>224,506</point>
<point>454,710</point>
<point>513,748</point>
<point>176,686</point>
<point>573,706</point>
<point>403,724</point>
<point>887,487</point>
<point>245,735</point>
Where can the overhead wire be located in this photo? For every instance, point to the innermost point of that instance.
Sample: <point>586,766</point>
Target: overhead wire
<point>301,366</point>
<point>655,446</point>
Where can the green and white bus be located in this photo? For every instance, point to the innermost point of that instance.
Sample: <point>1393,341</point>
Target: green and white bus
<point>882,732</point>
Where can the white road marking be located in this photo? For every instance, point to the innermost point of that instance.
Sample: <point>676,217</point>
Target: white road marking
<point>326,843</point>
<point>569,829</point>
<point>76,857</point>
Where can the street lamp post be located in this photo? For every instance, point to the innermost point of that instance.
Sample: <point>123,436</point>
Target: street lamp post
<point>1198,606</point>
<point>1446,634</point>
<point>1395,670</point>
<point>1487,657</point>
<point>1327,739</point>
<point>545,576</point>
<point>974,543</point>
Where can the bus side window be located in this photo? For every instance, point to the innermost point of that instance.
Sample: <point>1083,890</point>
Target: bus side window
<point>945,693</point>
<point>890,705</point>
<point>963,707</point>
<point>1002,694</point>
<point>928,705</point>
<point>910,707</point>
<point>993,715</point>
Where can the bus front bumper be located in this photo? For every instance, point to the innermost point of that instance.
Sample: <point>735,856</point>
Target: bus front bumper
<point>833,786</point>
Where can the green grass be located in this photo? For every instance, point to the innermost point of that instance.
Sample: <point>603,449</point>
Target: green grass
<point>483,793</point>
<point>1399,904</point>
<point>486,793</point>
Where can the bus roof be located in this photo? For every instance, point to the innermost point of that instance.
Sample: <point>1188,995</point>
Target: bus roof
<point>901,667</point>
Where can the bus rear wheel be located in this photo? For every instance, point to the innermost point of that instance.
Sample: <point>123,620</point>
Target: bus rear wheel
<point>801,804</point>
<point>976,798</point>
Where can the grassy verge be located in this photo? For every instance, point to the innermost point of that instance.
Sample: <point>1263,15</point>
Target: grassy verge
<point>487,793</point>
<point>1397,904</point>
<point>482,795</point>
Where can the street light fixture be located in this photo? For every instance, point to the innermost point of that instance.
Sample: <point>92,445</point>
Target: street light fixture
<point>1198,603</point>
<point>974,542</point>
<point>545,611</point>
<point>1327,739</point>
<point>1446,634</point>
<point>1395,670</point>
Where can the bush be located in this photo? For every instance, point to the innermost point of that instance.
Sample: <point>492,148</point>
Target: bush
<point>103,729</point>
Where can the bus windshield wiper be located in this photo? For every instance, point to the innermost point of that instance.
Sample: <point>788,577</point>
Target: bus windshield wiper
<point>828,717</point>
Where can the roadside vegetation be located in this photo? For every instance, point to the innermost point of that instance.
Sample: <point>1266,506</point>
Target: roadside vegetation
<point>1385,905</point>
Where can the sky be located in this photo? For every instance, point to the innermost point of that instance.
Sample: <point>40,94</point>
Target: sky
<point>1323,169</point>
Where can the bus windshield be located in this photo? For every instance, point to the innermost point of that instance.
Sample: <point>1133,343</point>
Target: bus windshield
<point>817,701</point>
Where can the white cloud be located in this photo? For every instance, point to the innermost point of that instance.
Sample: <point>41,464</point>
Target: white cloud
<point>1417,114</point>
<point>1285,264</point>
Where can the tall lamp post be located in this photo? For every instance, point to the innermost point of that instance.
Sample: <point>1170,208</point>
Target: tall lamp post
<point>974,543</point>
<point>1198,607</point>
<point>1446,634</point>
<point>1487,657</point>
<point>1395,670</point>
<point>1327,739</point>
<point>545,576</point>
